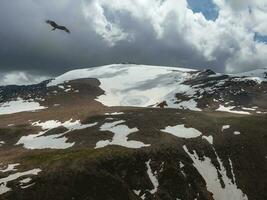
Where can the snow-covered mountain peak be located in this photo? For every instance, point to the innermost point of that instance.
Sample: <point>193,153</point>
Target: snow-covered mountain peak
<point>257,74</point>
<point>135,72</point>
<point>131,85</point>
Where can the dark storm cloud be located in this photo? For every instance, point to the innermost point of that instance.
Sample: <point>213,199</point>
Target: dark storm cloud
<point>27,43</point>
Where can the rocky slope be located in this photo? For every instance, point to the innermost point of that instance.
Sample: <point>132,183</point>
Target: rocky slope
<point>98,133</point>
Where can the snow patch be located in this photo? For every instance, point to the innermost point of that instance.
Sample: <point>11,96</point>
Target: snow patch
<point>152,178</point>
<point>137,192</point>
<point>224,127</point>
<point>61,87</point>
<point>210,174</point>
<point>25,183</point>
<point>182,132</point>
<point>260,112</point>
<point>237,133</point>
<point>56,141</point>
<point>10,167</point>
<point>230,110</point>
<point>115,113</point>
<point>12,177</point>
<point>208,138</point>
<point>120,136</point>
<point>190,105</point>
<point>26,180</point>
<point>19,105</point>
<point>249,109</point>
<point>257,75</point>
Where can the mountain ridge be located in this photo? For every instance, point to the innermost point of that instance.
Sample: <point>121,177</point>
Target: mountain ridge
<point>142,86</point>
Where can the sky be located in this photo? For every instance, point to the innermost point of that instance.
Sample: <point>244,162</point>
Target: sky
<point>223,35</point>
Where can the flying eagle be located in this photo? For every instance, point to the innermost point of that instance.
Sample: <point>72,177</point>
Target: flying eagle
<point>56,26</point>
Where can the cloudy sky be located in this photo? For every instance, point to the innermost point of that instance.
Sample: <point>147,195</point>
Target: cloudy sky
<point>223,35</point>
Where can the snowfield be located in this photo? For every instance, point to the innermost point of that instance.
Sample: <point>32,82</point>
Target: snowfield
<point>55,141</point>
<point>145,86</point>
<point>135,85</point>
<point>182,131</point>
<point>258,75</point>
<point>19,105</point>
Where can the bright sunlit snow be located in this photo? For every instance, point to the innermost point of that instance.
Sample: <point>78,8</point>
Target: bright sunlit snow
<point>237,133</point>
<point>19,105</point>
<point>230,110</point>
<point>115,113</point>
<point>182,131</point>
<point>224,127</point>
<point>188,105</point>
<point>56,141</point>
<point>10,167</point>
<point>152,178</point>
<point>210,174</point>
<point>132,85</point>
<point>2,143</point>
<point>11,177</point>
<point>120,136</point>
<point>208,138</point>
<point>258,75</point>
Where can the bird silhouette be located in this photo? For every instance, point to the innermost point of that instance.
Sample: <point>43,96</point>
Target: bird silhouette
<point>56,26</point>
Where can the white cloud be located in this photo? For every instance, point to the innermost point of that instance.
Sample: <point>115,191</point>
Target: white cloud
<point>231,34</point>
<point>20,78</point>
<point>109,31</point>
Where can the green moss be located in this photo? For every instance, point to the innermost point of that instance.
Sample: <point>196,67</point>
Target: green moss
<point>45,158</point>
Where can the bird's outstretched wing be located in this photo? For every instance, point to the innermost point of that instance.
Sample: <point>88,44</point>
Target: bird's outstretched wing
<point>52,23</point>
<point>65,29</point>
<point>56,26</point>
